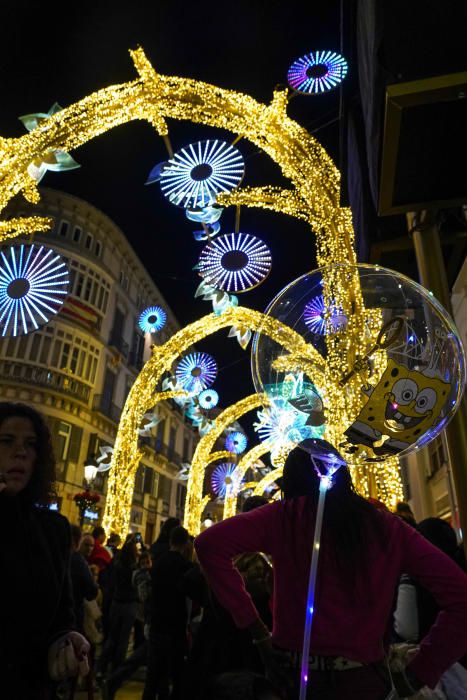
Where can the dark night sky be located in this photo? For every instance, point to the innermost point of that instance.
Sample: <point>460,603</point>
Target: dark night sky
<point>246,45</point>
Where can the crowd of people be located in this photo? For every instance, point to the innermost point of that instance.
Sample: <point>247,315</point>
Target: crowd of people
<point>222,616</point>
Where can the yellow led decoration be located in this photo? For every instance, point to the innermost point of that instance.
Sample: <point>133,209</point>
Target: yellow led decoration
<point>313,196</point>
<point>202,457</point>
<point>267,480</point>
<point>246,462</point>
<point>143,395</point>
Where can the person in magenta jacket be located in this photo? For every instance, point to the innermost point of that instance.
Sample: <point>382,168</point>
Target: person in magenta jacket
<point>363,553</point>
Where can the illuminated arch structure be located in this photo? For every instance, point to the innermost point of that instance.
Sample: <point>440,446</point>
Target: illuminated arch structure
<point>313,197</point>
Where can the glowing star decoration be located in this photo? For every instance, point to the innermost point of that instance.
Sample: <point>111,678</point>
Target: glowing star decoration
<point>196,372</point>
<point>151,420</point>
<point>236,442</point>
<point>198,173</point>
<point>152,319</point>
<point>57,159</point>
<point>105,458</point>
<point>320,319</point>
<point>221,478</point>
<point>317,72</point>
<point>235,262</point>
<point>209,398</point>
<point>33,284</point>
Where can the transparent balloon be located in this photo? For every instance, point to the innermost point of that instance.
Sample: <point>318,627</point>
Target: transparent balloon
<point>387,370</point>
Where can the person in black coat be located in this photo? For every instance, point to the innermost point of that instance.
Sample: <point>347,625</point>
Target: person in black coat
<point>82,581</point>
<point>37,643</point>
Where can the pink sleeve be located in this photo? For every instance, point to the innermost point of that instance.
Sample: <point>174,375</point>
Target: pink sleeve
<point>446,641</point>
<point>218,545</point>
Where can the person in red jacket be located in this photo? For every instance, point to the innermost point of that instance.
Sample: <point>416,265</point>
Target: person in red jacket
<point>100,556</point>
<point>364,551</point>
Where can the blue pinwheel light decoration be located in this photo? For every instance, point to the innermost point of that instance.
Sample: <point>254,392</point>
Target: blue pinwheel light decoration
<point>199,172</point>
<point>221,478</point>
<point>33,285</point>
<point>209,398</point>
<point>235,262</point>
<point>321,319</point>
<point>196,372</point>
<point>152,319</point>
<point>317,72</point>
<point>236,442</point>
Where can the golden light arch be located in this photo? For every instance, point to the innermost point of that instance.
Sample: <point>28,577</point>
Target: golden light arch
<point>245,463</point>
<point>313,196</point>
<point>143,395</point>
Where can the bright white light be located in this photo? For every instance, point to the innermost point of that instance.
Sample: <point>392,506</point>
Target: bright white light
<point>196,174</point>
<point>33,285</point>
<point>196,372</point>
<point>235,262</point>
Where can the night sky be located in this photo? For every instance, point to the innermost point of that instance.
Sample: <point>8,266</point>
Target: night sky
<point>247,46</point>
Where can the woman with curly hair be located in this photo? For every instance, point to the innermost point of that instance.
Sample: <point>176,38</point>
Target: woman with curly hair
<point>38,647</point>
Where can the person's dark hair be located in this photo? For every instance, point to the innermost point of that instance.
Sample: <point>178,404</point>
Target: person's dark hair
<point>114,539</point>
<point>349,519</point>
<point>41,487</point>
<point>128,555</point>
<point>179,537</point>
<point>441,534</point>
<point>98,531</point>
<point>403,507</point>
<point>240,684</point>
<point>166,529</point>
<point>144,556</point>
<point>253,502</point>
<point>76,535</point>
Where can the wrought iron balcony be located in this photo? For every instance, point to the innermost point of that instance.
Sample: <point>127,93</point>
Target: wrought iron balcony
<point>104,405</point>
<point>24,373</point>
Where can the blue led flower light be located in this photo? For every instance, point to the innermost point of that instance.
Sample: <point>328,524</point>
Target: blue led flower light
<point>209,398</point>
<point>320,319</point>
<point>198,173</point>
<point>152,319</point>
<point>235,262</point>
<point>221,477</point>
<point>196,372</point>
<point>317,72</point>
<point>236,442</point>
<point>33,285</point>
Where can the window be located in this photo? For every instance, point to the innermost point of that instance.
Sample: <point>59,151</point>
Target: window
<point>44,357</point>
<point>65,356</point>
<point>63,230</point>
<point>181,496</point>
<point>77,234</point>
<point>88,242</point>
<point>148,479</point>
<point>186,448</point>
<point>139,479</point>
<point>98,249</point>
<point>62,445</point>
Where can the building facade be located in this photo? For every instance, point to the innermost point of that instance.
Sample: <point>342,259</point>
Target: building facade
<point>427,476</point>
<point>79,368</point>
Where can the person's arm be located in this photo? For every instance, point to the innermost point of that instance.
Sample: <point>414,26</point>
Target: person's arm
<point>217,546</point>
<point>446,641</point>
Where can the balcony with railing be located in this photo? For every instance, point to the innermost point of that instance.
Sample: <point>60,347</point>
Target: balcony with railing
<point>23,373</point>
<point>104,405</point>
<point>116,341</point>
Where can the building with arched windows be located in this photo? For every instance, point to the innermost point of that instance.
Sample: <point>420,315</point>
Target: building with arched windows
<point>79,368</point>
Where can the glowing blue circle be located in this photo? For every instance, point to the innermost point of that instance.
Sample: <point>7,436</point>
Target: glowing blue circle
<point>321,319</point>
<point>235,262</point>
<point>209,398</point>
<point>196,372</point>
<point>152,319</point>
<point>33,285</point>
<point>236,442</point>
<point>317,72</point>
<point>198,173</point>
<point>221,478</point>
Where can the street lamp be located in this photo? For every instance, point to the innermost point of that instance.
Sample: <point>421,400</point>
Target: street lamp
<point>90,472</point>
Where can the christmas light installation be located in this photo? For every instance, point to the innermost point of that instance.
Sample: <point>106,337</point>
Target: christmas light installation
<point>235,262</point>
<point>320,319</point>
<point>209,398</point>
<point>236,442</point>
<point>199,172</point>
<point>33,284</point>
<point>247,462</point>
<point>317,72</point>
<point>221,478</point>
<point>196,372</point>
<point>152,319</point>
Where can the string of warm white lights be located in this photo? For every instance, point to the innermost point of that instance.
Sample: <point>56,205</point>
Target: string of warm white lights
<point>313,196</point>
<point>246,462</point>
